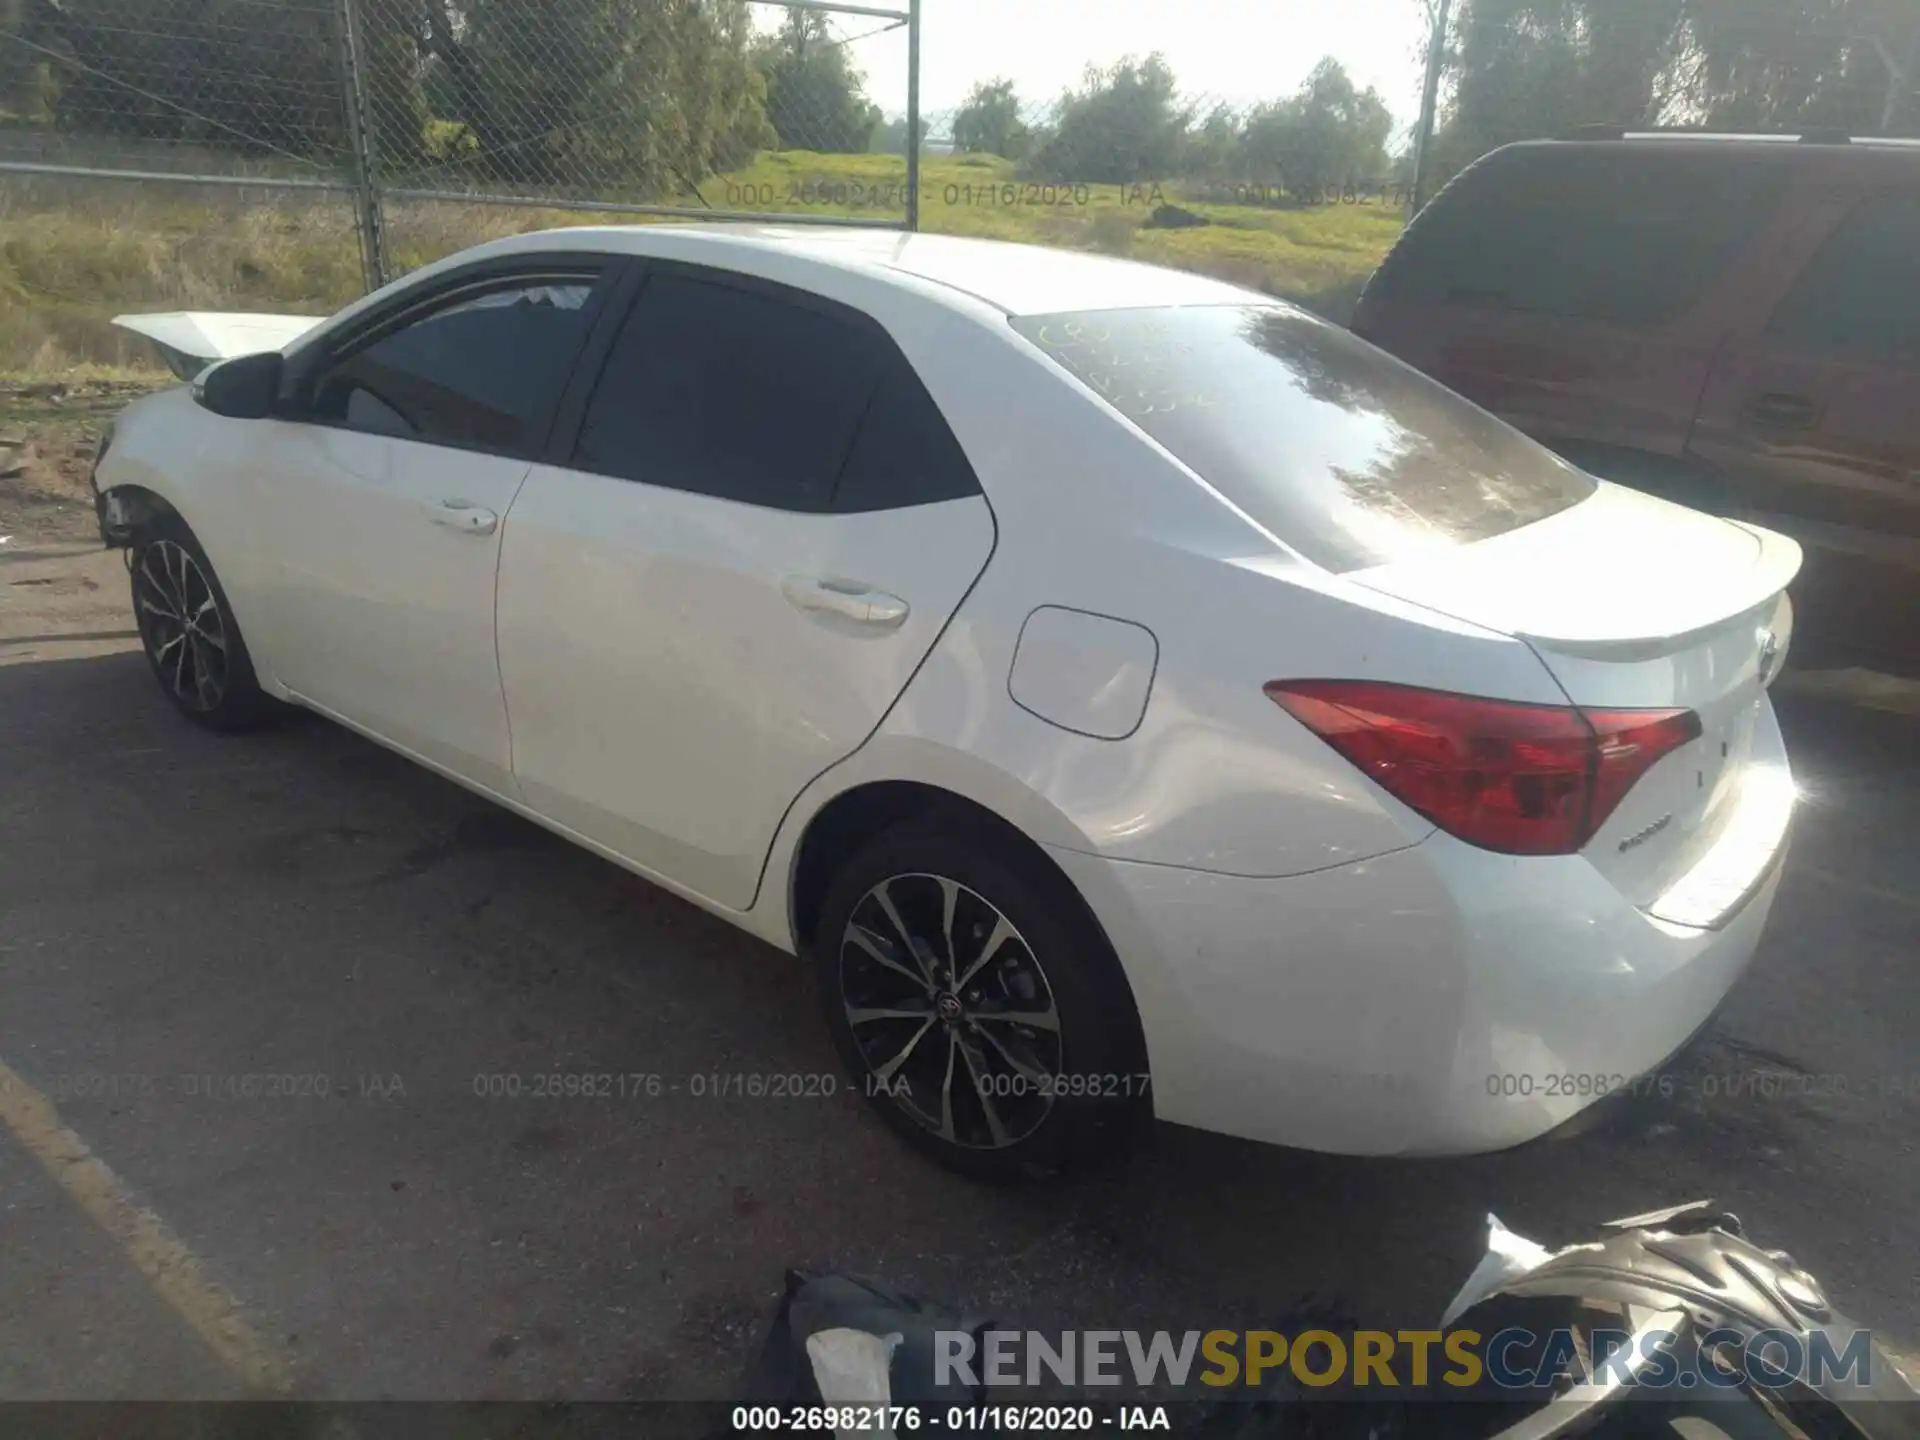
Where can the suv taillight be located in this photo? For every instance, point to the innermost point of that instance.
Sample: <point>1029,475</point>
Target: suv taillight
<point>1520,779</point>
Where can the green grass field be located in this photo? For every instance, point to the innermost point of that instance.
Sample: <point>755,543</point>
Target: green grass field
<point>74,254</point>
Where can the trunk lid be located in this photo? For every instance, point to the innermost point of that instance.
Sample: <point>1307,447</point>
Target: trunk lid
<point>1634,603</point>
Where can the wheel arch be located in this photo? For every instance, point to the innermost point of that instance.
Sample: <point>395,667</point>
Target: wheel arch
<point>147,461</point>
<point>126,510</point>
<point>853,814</point>
<point>838,827</point>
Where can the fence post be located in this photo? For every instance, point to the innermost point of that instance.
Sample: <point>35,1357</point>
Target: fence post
<point>1429,110</point>
<point>913,114</point>
<point>366,185</point>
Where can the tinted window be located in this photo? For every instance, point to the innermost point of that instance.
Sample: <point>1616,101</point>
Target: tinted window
<point>730,392</point>
<point>904,453</point>
<point>1862,292</point>
<point>1628,238</point>
<point>1342,453</point>
<point>478,373</point>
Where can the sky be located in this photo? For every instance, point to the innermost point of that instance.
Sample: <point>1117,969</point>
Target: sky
<point>1240,51</point>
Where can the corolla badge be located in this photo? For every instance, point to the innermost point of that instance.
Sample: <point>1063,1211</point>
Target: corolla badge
<point>1633,842</point>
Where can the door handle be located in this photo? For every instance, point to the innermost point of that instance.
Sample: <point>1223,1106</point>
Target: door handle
<point>847,598</point>
<point>464,516</point>
<point>1779,411</point>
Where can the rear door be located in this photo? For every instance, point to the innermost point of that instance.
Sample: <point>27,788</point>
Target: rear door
<point>1816,408</point>
<point>761,529</point>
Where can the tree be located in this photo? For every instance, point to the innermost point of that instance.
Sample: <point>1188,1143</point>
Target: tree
<point>607,97</point>
<point>1122,126</point>
<point>1328,134</point>
<point>1213,145</point>
<point>989,122</point>
<point>615,98</point>
<point>816,97</point>
<point>1809,64</point>
<point>891,136</point>
<point>260,78</point>
<point>25,79</point>
<point>1529,68</point>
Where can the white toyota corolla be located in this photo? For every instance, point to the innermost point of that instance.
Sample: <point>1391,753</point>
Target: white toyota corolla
<point>1135,696</point>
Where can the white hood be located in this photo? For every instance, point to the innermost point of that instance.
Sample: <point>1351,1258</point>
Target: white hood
<point>193,339</point>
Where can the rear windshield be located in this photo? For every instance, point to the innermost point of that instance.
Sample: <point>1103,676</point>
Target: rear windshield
<point>1341,452</point>
<point>1620,236</point>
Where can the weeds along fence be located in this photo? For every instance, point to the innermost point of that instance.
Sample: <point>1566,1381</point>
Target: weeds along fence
<point>385,113</point>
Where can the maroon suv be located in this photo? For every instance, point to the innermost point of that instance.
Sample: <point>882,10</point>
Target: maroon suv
<point>1728,321</point>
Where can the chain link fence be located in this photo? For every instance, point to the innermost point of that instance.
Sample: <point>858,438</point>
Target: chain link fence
<point>305,149</point>
<point>297,152</point>
<point>617,107</point>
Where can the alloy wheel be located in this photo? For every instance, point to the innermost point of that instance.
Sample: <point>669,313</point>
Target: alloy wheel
<point>951,1010</point>
<point>178,614</point>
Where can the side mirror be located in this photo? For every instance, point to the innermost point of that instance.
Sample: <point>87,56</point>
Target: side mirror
<point>244,388</point>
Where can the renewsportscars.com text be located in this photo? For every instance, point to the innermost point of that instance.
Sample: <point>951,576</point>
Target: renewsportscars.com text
<point>1514,1358</point>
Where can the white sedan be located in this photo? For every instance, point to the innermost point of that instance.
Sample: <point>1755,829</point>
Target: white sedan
<point>1135,697</point>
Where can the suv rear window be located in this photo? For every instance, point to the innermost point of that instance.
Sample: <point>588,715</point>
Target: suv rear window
<point>1338,450</point>
<point>1622,236</point>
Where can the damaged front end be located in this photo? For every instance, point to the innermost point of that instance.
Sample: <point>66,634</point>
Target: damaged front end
<point>122,514</point>
<point>123,511</point>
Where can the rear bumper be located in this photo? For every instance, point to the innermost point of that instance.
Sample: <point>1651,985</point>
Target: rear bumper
<point>1437,1000</point>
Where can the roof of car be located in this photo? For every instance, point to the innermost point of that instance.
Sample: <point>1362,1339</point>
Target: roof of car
<point>1019,279</point>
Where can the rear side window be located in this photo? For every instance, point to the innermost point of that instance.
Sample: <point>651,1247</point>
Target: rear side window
<point>477,371</point>
<point>744,395</point>
<point>1862,291</point>
<point>1341,452</point>
<point>905,454</point>
<point>1624,237</point>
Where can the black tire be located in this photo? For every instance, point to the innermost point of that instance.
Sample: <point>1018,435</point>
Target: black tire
<point>201,664</point>
<point>1062,1093</point>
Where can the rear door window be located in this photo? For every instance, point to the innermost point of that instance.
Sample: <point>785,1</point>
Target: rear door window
<point>1626,238</point>
<point>905,453</point>
<point>1339,451</point>
<point>728,392</point>
<point>741,393</point>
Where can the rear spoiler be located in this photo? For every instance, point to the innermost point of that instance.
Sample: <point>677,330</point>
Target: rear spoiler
<point>191,340</point>
<point>1780,560</point>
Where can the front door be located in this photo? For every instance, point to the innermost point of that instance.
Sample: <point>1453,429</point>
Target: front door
<point>377,515</point>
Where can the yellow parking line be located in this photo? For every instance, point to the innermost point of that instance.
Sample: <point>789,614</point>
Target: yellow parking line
<point>143,1237</point>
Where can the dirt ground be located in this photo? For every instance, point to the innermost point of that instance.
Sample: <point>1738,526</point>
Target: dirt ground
<point>49,431</point>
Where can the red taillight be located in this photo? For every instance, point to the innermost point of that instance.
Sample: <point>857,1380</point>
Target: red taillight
<point>1521,779</point>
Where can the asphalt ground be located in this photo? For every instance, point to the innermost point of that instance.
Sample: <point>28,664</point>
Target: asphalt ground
<point>371,1218</point>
